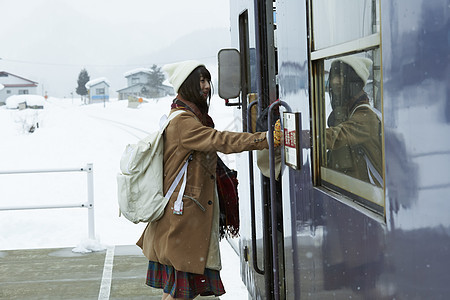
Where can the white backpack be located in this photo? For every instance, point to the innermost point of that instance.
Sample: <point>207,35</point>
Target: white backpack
<point>140,183</point>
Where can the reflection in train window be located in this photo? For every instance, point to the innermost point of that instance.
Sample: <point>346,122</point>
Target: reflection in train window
<point>352,137</point>
<point>347,103</point>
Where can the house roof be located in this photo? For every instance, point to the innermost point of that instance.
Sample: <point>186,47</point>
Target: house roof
<point>10,80</point>
<point>136,71</point>
<point>131,87</point>
<point>93,82</point>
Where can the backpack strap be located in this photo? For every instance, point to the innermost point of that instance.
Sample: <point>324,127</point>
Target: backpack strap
<point>376,111</point>
<point>178,205</point>
<point>164,121</point>
<point>374,175</point>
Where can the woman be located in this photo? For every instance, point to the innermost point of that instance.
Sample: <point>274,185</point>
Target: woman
<point>354,134</point>
<point>183,246</point>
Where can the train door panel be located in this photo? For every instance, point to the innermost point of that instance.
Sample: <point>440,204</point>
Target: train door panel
<point>255,41</point>
<point>254,253</point>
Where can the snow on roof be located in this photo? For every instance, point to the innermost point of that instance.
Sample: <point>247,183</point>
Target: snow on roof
<point>138,70</point>
<point>1,86</point>
<point>31,100</point>
<point>10,79</point>
<point>96,81</point>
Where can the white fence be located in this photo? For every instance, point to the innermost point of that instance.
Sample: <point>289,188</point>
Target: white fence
<point>89,169</point>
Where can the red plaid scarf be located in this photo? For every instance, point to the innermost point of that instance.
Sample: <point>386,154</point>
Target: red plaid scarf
<point>226,180</point>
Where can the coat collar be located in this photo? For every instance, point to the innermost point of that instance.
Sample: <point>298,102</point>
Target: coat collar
<point>179,102</point>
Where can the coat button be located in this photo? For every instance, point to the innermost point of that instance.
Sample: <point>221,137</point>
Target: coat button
<point>209,202</point>
<point>212,176</point>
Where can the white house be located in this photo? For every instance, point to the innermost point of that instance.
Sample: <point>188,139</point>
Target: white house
<point>137,81</point>
<point>15,85</point>
<point>98,90</point>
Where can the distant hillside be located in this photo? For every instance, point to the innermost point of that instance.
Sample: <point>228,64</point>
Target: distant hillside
<point>200,45</point>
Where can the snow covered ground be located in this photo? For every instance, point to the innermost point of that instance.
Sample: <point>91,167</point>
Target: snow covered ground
<point>70,135</point>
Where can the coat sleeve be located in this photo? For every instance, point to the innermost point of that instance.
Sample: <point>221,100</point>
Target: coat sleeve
<point>356,130</point>
<point>194,135</point>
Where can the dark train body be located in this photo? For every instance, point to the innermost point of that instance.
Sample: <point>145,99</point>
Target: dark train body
<point>339,237</point>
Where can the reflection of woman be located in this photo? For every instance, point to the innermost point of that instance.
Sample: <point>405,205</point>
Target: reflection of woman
<point>354,134</point>
<point>353,251</point>
<point>183,246</point>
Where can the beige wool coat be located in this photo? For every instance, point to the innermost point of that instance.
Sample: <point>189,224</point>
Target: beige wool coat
<point>362,131</point>
<point>182,241</point>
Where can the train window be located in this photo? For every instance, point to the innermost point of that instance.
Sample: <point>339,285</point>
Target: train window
<point>347,105</point>
<point>336,22</point>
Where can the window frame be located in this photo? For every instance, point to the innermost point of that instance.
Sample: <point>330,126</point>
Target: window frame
<point>355,190</point>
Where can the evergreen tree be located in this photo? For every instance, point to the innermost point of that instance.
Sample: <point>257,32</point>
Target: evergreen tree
<point>83,78</point>
<point>156,77</point>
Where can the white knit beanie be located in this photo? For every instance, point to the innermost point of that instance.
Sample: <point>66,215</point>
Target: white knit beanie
<point>178,72</point>
<point>360,65</point>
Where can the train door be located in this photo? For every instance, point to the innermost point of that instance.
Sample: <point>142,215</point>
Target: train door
<point>270,189</point>
<point>261,266</point>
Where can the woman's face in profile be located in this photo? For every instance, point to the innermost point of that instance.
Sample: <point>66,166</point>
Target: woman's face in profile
<point>205,87</point>
<point>337,84</point>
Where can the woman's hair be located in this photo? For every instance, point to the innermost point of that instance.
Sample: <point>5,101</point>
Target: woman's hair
<point>190,89</point>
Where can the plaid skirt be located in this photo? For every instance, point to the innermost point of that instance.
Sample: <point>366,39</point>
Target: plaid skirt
<point>183,284</point>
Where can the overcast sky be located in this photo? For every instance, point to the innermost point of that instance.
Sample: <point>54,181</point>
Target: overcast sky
<point>49,41</point>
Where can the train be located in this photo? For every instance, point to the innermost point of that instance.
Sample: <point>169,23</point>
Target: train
<point>355,203</point>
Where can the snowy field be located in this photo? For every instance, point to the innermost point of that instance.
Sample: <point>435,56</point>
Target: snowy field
<point>70,135</point>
